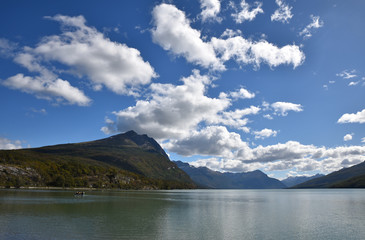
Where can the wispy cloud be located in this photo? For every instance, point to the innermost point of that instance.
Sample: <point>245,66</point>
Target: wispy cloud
<point>246,12</point>
<point>347,74</point>
<point>316,23</point>
<point>283,13</point>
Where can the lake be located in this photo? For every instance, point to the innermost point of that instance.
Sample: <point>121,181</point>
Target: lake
<point>183,214</point>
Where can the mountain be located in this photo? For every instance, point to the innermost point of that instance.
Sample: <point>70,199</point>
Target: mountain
<point>347,177</point>
<point>206,178</point>
<point>292,181</point>
<point>125,160</point>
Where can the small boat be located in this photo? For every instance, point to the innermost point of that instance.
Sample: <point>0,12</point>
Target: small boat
<point>79,193</point>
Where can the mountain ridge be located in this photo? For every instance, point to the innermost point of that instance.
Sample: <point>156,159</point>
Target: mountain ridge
<point>345,178</point>
<point>130,155</point>
<point>207,178</point>
<point>295,180</point>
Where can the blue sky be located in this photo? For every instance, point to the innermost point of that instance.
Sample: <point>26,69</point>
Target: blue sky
<point>230,85</point>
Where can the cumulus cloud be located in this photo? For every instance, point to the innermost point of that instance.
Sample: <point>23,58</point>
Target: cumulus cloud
<point>247,12</point>
<point>283,13</point>
<point>88,52</point>
<point>242,93</point>
<point>172,111</point>
<point>234,118</point>
<point>9,144</point>
<point>82,51</point>
<point>212,140</point>
<point>210,9</point>
<point>348,137</point>
<point>363,140</point>
<point>58,88</point>
<point>265,133</point>
<point>282,108</point>
<point>307,31</point>
<point>173,32</point>
<point>358,117</point>
<point>347,74</point>
<point>177,111</point>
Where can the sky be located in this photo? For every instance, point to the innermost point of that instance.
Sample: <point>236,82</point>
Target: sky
<point>230,85</point>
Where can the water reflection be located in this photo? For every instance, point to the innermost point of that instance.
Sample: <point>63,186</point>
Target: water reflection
<point>193,214</point>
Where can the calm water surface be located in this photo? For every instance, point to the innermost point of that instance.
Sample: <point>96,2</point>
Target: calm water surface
<point>191,214</point>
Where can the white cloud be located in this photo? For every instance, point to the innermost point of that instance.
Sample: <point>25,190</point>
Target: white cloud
<point>247,52</point>
<point>234,118</point>
<point>268,116</point>
<point>283,13</point>
<point>265,133</point>
<point>172,111</point>
<point>287,156</point>
<point>358,117</point>
<point>42,88</point>
<point>8,144</point>
<point>229,33</point>
<point>353,83</point>
<point>176,112</point>
<point>242,93</point>
<point>212,140</point>
<point>6,47</point>
<point>275,56</point>
<point>347,74</point>
<point>363,140</point>
<point>282,108</point>
<point>172,31</point>
<point>245,13</point>
<point>307,31</point>
<point>87,52</point>
<point>210,8</point>
<point>348,137</point>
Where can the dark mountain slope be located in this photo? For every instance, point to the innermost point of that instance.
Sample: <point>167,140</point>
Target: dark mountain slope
<point>346,177</point>
<point>207,178</point>
<point>137,156</point>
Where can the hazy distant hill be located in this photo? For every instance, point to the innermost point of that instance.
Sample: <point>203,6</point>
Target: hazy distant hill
<point>344,178</point>
<point>126,160</point>
<point>207,178</point>
<point>292,181</point>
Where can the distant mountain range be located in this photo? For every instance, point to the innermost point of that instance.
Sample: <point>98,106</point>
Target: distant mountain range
<point>292,181</point>
<point>206,178</point>
<point>352,177</point>
<point>128,161</point>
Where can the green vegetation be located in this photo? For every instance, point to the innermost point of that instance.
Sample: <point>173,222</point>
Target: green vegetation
<point>354,182</point>
<point>115,162</point>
